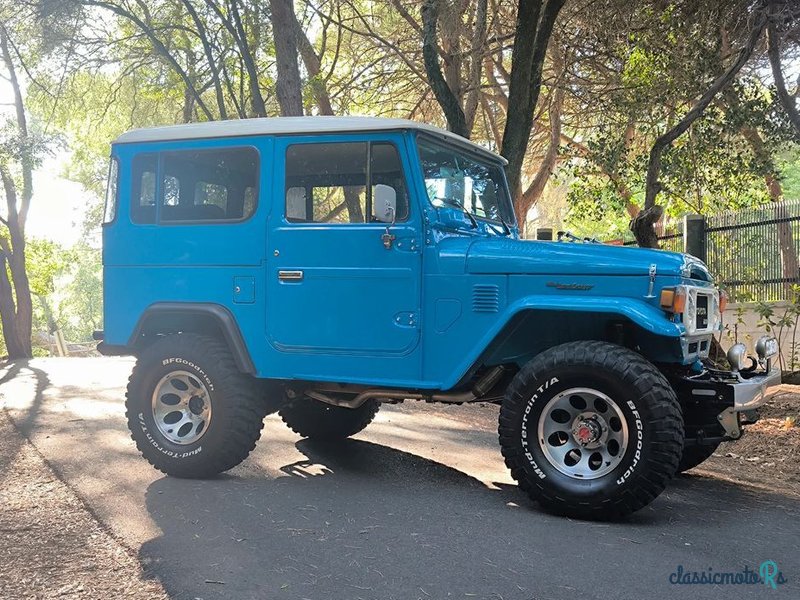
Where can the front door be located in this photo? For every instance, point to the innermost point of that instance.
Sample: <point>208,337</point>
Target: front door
<point>335,285</point>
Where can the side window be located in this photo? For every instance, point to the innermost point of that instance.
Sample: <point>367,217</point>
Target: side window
<point>328,182</point>
<point>209,185</point>
<point>110,210</point>
<point>143,192</point>
<point>386,169</point>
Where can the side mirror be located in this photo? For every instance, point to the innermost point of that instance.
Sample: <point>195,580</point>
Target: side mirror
<point>384,203</point>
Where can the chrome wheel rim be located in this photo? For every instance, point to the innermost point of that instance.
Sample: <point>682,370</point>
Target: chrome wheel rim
<point>583,433</point>
<point>181,407</point>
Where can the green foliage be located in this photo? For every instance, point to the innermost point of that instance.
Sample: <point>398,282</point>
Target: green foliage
<point>721,163</point>
<point>788,162</point>
<point>67,287</point>
<point>595,209</point>
<point>80,294</point>
<point>45,260</point>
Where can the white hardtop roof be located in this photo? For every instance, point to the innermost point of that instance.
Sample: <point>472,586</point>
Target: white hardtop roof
<point>286,126</point>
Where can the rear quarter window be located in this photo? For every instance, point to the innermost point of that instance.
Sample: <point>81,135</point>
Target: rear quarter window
<point>211,185</point>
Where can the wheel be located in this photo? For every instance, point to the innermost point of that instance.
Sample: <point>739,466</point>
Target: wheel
<point>694,455</point>
<point>317,420</point>
<point>191,412</point>
<point>591,430</point>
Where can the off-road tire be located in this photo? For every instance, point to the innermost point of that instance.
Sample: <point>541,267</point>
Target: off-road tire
<point>695,455</point>
<point>317,420</point>
<point>237,410</point>
<point>638,389</point>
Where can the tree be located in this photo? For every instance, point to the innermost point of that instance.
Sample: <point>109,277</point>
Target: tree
<point>784,21</point>
<point>633,79</point>
<point>533,28</point>
<point>535,21</point>
<point>288,88</point>
<point>642,224</point>
<point>17,160</point>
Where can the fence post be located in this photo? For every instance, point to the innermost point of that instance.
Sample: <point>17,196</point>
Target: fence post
<point>694,236</point>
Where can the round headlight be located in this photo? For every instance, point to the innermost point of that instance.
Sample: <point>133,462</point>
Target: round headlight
<point>737,355</point>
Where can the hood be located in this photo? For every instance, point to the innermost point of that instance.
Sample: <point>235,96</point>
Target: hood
<point>510,256</point>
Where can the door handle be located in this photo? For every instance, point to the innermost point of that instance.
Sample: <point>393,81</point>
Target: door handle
<point>290,275</point>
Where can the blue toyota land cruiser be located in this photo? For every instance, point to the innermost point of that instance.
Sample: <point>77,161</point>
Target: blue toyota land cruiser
<point>321,266</point>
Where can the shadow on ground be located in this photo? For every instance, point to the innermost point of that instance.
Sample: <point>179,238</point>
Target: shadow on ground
<point>361,520</point>
<point>26,421</point>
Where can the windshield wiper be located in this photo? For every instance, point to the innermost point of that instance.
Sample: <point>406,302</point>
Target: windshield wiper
<point>506,229</point>
<point>457,204</point>
<point>505,225</point>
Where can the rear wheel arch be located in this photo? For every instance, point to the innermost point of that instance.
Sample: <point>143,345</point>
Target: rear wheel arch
<point>214,320</point>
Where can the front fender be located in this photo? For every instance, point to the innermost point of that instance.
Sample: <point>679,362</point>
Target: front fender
<point>649,318</point>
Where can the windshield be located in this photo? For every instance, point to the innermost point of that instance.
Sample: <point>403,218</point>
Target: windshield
<point>455,178</point>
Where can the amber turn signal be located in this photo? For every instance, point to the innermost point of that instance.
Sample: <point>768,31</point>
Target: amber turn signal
<point>667,297</point>
<point>673,300</point>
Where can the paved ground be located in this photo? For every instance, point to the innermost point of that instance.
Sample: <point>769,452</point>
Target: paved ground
<point>50,544</point>
<point>419,506</point>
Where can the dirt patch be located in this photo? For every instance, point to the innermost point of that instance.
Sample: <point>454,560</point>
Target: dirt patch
<point>50,545</point>
<point>768,455</point>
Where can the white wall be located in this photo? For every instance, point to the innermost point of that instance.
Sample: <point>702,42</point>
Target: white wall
<point>748,331</point>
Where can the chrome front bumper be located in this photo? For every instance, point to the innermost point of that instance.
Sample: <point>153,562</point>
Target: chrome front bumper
<point>752,393</point>
<point>728,397</point>
<point>748,394</point>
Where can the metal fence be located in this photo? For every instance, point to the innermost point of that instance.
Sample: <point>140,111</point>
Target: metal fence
<point>753,252</point>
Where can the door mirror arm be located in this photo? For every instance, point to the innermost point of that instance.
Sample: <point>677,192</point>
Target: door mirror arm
<point>388,237</point>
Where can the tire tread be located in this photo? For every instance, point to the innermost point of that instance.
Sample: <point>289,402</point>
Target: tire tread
<point>666,423</point>
<point>244,415</point>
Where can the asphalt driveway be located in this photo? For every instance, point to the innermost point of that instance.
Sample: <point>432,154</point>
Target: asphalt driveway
<point>420,505</point>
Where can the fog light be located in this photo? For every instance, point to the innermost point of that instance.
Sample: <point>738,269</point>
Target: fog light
<point>766,347</point>
<point>737,354</point>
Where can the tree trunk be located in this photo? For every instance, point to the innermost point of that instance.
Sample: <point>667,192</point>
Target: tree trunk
<point>534,26</point>
<point>313,65</point>
<point>288,88</point>
<point>233,23</point>
<point>526,200</point>
<point>774,51</point>
<point>476,64</point>
<point>16,309</point>
<point>202,33</point>
<point>256,99</point>
<point>445,96</point>
<point>353,202</point>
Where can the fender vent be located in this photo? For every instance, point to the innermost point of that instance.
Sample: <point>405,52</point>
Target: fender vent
<point>485,298</point>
